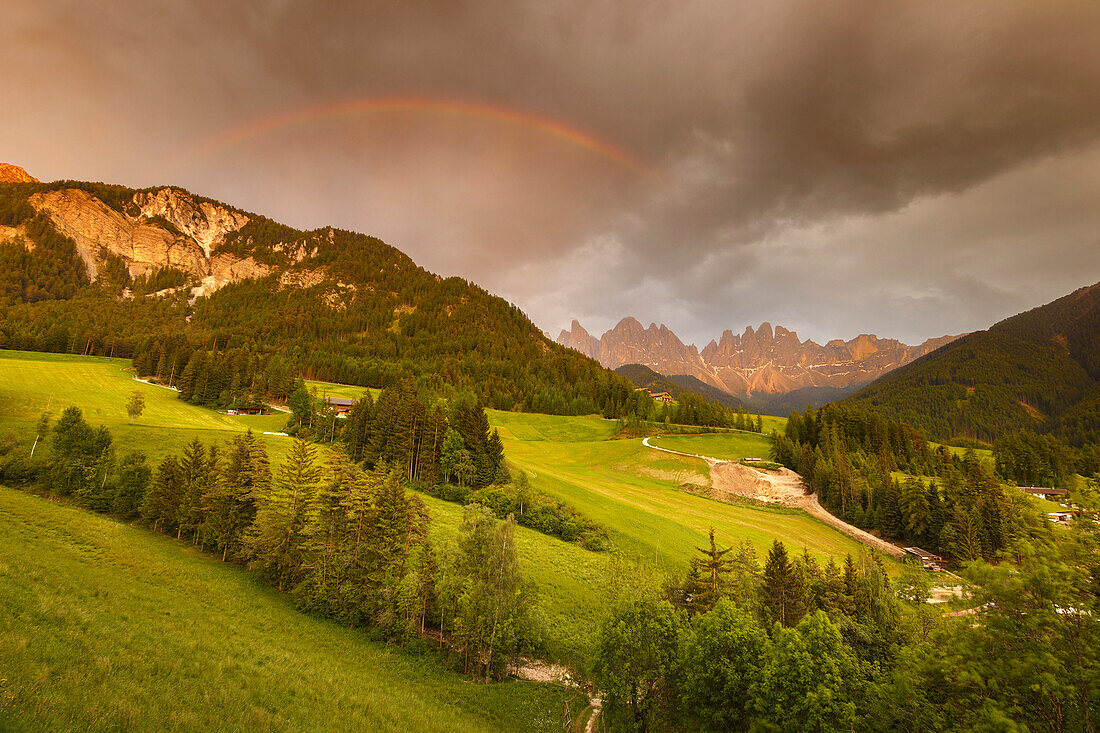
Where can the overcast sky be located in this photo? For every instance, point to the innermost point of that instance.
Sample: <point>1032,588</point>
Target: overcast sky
<point>908,169</point>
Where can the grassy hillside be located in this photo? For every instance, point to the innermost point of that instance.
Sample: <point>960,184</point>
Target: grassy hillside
<point>1036,371</point>
<point>32,382</point>
<point>568,576</point>
<point>108,627</point>
<point>635,491</point>
<point>332,389</point>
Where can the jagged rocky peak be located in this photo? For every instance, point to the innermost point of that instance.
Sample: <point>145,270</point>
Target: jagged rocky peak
<point>766,359</point>
<point>580,340</point>
<point>10,173</point>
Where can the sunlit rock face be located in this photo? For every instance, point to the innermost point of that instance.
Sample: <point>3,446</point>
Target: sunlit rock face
<point>766,360</point>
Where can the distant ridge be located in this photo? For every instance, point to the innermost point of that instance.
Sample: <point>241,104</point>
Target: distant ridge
<point>1039,370</point>
<point>755,363</point>
<point>643,376</point>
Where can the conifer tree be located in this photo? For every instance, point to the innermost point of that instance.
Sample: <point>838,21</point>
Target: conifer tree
<point>194,477</point>
<point>783,590</point>
<point>324,564</point>
<point>282,513</point>
<point>160,506</point>
<point>134,476</point>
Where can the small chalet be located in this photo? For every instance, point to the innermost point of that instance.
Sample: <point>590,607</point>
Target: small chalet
<point>927,560</point>
<point>342,405</point>
<point>662,397</point>
<point>1044,492</point>
<point>1060,517</point>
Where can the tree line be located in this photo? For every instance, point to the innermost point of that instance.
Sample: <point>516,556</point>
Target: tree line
<point>449,452</point>
<point>849,457</point>
<point>793,646</point>
<point>638,411</point>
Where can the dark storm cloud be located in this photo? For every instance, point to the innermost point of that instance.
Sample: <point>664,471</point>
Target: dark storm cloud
<point>798,147</point>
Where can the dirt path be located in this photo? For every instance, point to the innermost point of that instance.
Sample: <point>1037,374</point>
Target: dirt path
<point>780,487</point>
<point>536,670</point>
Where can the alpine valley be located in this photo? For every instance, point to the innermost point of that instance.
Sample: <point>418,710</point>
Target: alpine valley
<point>258,478</point>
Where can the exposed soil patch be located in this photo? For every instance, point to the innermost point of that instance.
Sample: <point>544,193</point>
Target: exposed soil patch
<point>536,670</point>
<point>783,486</point>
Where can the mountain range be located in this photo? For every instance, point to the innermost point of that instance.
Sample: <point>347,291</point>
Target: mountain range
<point>756,363</point>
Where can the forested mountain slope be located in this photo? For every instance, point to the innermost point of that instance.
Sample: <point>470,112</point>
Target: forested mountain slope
<point>157,274</point>
<point>1038,370</point>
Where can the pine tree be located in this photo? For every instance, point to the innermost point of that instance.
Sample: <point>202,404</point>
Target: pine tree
<point>714,569</point>
<point>783,591</point>
<point>194,478</point>
<point>161,503</point>
<point>282,513</point>
<point>324,565</point>
<point>913,504</point>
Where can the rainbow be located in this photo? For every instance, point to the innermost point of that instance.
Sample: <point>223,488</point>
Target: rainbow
<point>380,105</point>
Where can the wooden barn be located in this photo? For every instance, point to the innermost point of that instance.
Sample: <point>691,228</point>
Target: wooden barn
<point>342,405</point>
<point>927,560</point>
<point>1044,492</point>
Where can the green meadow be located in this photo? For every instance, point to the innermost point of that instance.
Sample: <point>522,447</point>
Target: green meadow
<point>104,627</point>
<point>31,383</point>
<point>636,492</point>
<point>332,389</point>
<point>733,446</point>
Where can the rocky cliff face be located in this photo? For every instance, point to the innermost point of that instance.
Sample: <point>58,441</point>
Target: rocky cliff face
<point>141,238</point>
<point>765,360</point>
<point>204,222</point>
<point>14,174</point>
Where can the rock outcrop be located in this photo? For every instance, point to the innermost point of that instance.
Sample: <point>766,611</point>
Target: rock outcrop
<point>163,228</point>
<point>95,226</point>
<point>14,174</point>
<point>205,222</point>
<point>766,360</point>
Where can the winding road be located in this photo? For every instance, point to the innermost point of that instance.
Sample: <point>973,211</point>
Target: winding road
<point>781,487</point>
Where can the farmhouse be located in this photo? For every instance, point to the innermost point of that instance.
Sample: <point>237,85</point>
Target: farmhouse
<point>1044,492</point>
<point>662,397</point>
<point>342,405</point>
<point>927,560</point>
